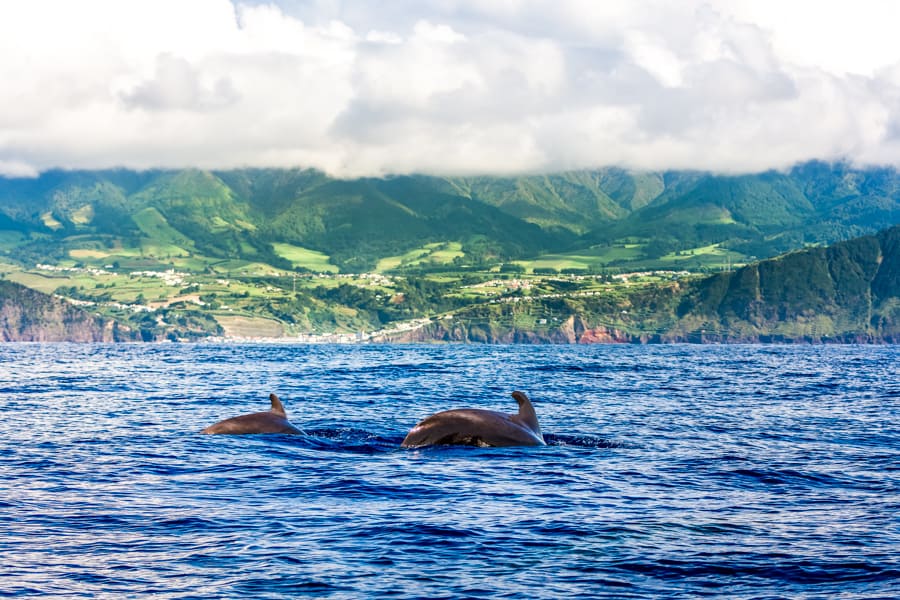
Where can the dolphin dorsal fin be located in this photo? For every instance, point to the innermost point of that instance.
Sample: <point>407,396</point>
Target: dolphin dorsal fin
<point>526,415</point>
<point>277,406</point>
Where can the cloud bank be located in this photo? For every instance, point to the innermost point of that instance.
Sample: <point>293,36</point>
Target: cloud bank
<point>447,87</point>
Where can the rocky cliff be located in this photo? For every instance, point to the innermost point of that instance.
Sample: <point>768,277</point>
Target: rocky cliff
<point>30,316</point>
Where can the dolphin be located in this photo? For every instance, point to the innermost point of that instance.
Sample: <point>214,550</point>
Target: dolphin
<point>271,421</point>
<point>478,427</point>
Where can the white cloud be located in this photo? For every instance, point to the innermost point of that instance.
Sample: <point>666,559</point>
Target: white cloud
<point>176,84</point>
<point>15,168</point>
<point>446,86</point>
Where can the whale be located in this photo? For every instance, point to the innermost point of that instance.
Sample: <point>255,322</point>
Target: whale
<point>273,420</point>
<point>478,427</point>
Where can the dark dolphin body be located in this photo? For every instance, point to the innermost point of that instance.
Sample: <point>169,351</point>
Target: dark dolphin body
<point>271,421</point>
<point>477,427</point>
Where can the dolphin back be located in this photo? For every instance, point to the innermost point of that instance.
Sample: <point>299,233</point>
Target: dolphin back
<point>478,427</point>
<point>272,421</point>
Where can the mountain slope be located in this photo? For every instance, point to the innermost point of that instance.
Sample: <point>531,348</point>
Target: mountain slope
<point>850,289</point>
<point>356,221</point>
<point>242,214</point>
<point>848,292</point>
<point>573,201</point>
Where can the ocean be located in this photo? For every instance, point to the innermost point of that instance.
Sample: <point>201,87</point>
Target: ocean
<point>670,472</point>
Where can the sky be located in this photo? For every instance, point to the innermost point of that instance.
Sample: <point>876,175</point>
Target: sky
<point>447,87</point>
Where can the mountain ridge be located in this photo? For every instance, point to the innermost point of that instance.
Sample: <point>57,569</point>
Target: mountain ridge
<point>245,212</point>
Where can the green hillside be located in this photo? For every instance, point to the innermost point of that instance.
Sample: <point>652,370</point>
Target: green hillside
<point>360,222</point>
<point>849,292</point>
<point>572,201</point>
<point>590,220</point>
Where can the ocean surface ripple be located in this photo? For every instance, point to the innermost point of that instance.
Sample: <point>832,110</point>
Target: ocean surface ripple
<point>670,472</point>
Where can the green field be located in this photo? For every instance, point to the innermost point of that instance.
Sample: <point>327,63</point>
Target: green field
<point>249,327</point>
<point>631,254</point>
<point>246,268</point>
<point>37,282</point>
<point>83,215</point>
<point>316,262</point>
<point>86,253</point>
<point>155,249</point>
<point>50,221</point>
<point>441,253</point>
<point>712,256</point>
<point>594,258</point>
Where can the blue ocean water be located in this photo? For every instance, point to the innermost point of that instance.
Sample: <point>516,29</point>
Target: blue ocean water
<point>670,472</point>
